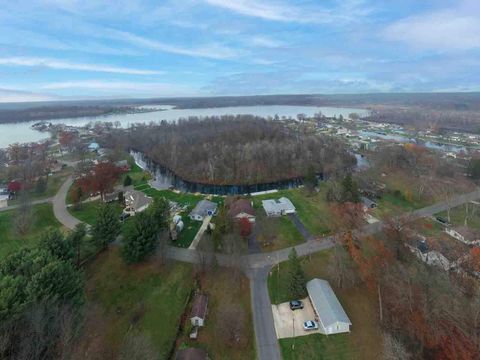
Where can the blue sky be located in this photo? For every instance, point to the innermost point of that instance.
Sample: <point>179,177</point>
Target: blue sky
<point>61,49</point>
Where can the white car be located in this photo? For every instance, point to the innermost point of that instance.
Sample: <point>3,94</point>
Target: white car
<point>310,325</point>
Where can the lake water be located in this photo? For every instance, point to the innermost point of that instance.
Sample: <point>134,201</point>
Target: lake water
<point>21,132</point>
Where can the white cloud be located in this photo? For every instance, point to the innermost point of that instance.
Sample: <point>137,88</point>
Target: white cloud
<point>449,29</point>
<point>66,65</point>
<point>211,51</point>
<point>264,41</point>
<point>8,95</point>
<point>123,87</point>
<point>343,10</point>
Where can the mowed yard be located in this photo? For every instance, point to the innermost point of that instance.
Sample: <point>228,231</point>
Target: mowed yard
<point>364,341</point>
<point>42,219</point>
<point>312,209</point>
<point>88,211</point>
<point>149,298</point>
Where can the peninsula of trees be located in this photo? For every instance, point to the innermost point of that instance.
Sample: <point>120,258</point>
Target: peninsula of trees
<point>236,150</point>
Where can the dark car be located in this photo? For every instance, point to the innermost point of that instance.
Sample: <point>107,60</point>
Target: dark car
<point>442,220</point>
<point>124,216</point>
<point>296,304</point>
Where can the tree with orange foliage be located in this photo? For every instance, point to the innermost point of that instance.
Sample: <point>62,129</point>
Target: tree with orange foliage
<point>101,179</point>
<point>66,138</point>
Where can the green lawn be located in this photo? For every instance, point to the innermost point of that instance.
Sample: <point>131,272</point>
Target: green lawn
<point>88,211</point>
<point>457,216</point>
<point>312,209</point>
<point>146,297</point>
<point>395,204</point>
<point>287,234</point>
<point>364,341</point>
<point>189,231</point>
<point>318,347</point>
<point>43,218</point>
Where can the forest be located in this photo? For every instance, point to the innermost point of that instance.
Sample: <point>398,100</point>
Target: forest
<point>235,150</point>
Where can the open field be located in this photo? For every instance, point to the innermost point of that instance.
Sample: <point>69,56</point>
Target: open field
<point>43,218</point>
<point>224,291</point>
<point>149,298</point>
<point>360,306</point>
<point>89,210</point>
<point>186,236</point>
<point>312,209</point>
<point>286,232</point>
<point>458,215</point>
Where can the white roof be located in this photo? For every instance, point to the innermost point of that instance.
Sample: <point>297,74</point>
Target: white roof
<point>328,308</point>
<point>282,204</point>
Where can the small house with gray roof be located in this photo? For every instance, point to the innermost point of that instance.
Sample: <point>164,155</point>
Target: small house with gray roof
<point>332,319</point>
<point>278,207</point>
<point>203,209</point>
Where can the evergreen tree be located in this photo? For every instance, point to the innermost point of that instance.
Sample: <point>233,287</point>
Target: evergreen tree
<point>297,280</point>
<point>160,210</point>
<point>76,238</point>
<point>127,181</point>
<point>54,243</point>
<point>474,169</point>
<point>41,185</point>
<point>106,228</point>
<point>350,191</point>
<point>140,238</point>
<point>311,179</point>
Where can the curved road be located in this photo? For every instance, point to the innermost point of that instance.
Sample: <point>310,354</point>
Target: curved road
<point>258,266</point>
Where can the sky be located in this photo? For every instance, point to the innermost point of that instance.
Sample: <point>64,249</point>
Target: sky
<point>85,49</point>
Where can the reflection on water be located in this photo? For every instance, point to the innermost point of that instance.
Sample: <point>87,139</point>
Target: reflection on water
<point>21,132</point>
<point>165,179</point>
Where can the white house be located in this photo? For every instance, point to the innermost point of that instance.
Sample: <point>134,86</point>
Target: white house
<point>332,319</point>
<point>199,310</point>
<point>464,234</point>
<point>278,207</point>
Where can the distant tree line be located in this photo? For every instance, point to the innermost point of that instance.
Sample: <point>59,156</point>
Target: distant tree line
<point>236,150</point>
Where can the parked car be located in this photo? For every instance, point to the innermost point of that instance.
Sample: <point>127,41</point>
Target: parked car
<point>442,220</point>
<point>296,304</point>
<point>310,325</point>
<point>124,216</point>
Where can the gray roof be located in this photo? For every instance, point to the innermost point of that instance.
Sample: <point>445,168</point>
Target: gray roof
<point>282,204</point>
<point>203,207</point>
<point>137,199</point>
<point>367,202</point>
<point>326,304</point>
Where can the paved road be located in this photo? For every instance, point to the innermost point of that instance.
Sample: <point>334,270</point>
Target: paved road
<point>265,336</point>
<point>301,228</point>
<point>35,202</point>
<point>60,206</point>
<point>253,245</point>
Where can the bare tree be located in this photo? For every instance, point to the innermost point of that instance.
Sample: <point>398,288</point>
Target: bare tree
<point>232,324</point>
<point>24,214</point>
<point>393,349</point>
<point>137,346</point>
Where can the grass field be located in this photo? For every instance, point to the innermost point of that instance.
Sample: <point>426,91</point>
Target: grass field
<point>287,234</point>
<point>189,231</point>
<point>223,290</point>
<point>360,306</point>
<point>88,211</point>
<point>43,218</point>
<point>312,209</point>
<point>457,216</point>
<point>149,298</point>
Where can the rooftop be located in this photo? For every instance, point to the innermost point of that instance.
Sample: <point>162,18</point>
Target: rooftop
<point>326,303</point>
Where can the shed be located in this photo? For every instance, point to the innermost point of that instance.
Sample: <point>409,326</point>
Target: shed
<point>3,201</point>
<point>203,209</point>
<point>199,310</point>
<point>241,209</point>
<point>192,354</point>
<point>332,318</point>
<point>278,207</point>
<point>367,203</point>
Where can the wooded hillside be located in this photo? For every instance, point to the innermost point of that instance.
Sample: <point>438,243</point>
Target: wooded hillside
<point>237,150</point>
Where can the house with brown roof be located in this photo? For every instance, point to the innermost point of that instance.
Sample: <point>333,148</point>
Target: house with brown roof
<point>192,354</point>
<point>199,310</point>
<point>242,209</point>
